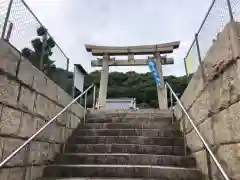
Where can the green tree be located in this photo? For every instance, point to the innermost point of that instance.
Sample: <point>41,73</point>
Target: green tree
<point>35,55</point>
<point>135,85</point>
<point>60,76</point>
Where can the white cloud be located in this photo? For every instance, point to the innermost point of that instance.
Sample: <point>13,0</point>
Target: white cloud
<point>74,23</point>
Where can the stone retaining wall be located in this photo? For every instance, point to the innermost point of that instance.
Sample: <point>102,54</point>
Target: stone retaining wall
<point>213,103</point>
<point>28,99</point>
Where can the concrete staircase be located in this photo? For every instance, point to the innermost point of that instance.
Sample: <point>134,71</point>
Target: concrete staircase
<point>130,145</point>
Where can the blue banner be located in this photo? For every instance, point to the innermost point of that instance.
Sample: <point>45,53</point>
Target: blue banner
<point>153,69</point>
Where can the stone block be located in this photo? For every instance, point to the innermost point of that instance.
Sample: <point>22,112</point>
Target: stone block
<point>10,145</point>
<point>8,90</point>
<point>77,109</point>
<point>38,153</point>
<point>34,172</point>
<point>48,133</point>
<point>69,120</point>
<point>42,106</point>
<point>26,72</point>
<point>221,50</point>
<point>10,121</point>
<point>63,134</point>
<point>201,158</point>
<point>76,122</point>
<point>57,134</point>
<point>9,59</point>
<point>4,48</point>
<point>12,174</point>
<point>178,112</point>
<point>219,95</point>
<point>63,98</point>
<point>224,90</point>
<point>228,155</point>
<point>54,149</point>
<point>34,153</point>
<point>67,132</point>
<point>206,131</point>
<point>182,124</point>
<point>1,147</point>
<point>4,174</point>
<point>226,125</point>
<point>39,81</point>
<point>231,81</point>
<point>234,38</point>
<point>57,109</point>
<point>51,109</point>
<point>62,119</point>
<point>186,125</point>
<point>73,123</point>
<point>200,109</point>
<point>28,125</point>
<point>51,91</point>
<point>40,122</point>
<point>195,87</point>
<point>193,141</point>
<point>27,99</point>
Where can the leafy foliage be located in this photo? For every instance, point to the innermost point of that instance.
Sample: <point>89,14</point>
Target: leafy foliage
<point>135,85</point>
<point>120,85</point>
<point>35,55</point>
<point>60,76</point>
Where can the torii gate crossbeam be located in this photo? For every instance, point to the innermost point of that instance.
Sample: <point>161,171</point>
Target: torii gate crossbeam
<point>107,51</point>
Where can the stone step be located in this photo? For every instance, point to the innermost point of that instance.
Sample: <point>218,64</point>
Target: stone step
<point>167,132</point>
<point>114,115</point>
<point>123,171</point>
<point>94,178</point>
<point>163,141</point>
<point>134,124</point>
<point>120,119</point>
<point>121,158</point>
<point>133,120</point>
<point>124,148</point>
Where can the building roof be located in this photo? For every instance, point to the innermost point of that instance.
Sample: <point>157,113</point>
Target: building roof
<point>81,69</point>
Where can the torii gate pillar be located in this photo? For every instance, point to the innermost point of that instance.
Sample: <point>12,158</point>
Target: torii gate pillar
<point>104,81</point>
<point>161,90</point>
<point>131,51</point>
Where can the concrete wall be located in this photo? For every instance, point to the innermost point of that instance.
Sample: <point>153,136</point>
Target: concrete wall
<point>28,99</point>
<point>213,101</point>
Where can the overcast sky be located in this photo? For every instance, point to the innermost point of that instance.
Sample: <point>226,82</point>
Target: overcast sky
<point>74,23</point>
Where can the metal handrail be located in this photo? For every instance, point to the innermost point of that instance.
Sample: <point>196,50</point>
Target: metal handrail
<point>44,127</point>
<point>198,133</point>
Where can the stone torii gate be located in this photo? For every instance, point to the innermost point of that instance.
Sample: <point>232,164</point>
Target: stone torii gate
<point>107,51</point>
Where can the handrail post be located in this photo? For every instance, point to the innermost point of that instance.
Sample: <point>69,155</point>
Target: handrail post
<point>67,64</point>
<point>6,19</point>
<point>44,44</point>
<point>9,32</point>
<point>230,10</point>
<point>185,65</point>
<point>94,96</point>
<point>199,134</point>
<point>199,56</point>
<point>184,138</point>
<point>198,49</point>
<point>85,108</point>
